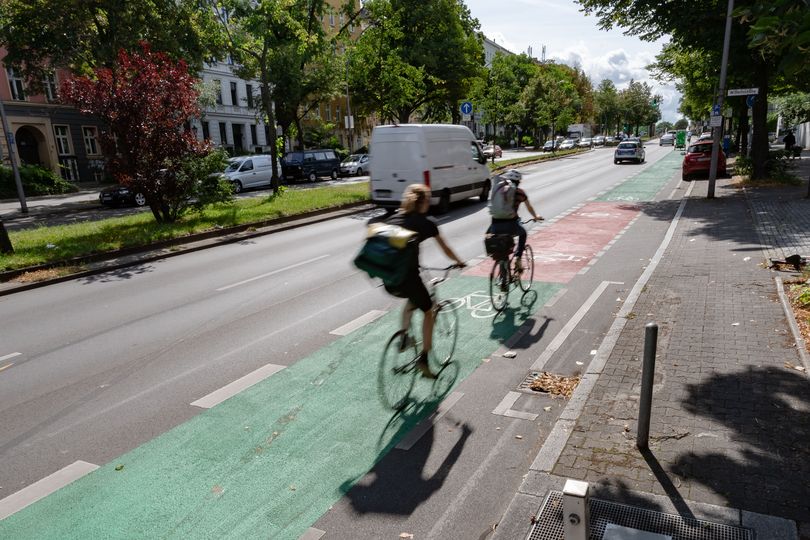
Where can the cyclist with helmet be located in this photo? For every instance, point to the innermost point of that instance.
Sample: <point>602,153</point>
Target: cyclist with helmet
<point>508,222</point>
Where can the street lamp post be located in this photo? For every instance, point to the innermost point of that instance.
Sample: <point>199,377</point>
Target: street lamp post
<point>716,130</point>
<point>13,159</point>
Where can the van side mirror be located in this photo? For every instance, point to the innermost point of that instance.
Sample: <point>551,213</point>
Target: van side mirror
<point>482,159</point>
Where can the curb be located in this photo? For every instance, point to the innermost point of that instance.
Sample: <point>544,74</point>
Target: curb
<point>115,260</point>
<point>794,327</point>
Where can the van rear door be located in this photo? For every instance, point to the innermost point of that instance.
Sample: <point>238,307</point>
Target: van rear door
<point>398,162</point>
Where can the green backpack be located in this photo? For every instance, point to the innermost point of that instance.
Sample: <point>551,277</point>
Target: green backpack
<point>389,253</point>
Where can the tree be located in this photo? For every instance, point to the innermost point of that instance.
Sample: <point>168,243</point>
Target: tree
<point>83,35</point>
<point>780,29</point>
<point>681,124</point>
<point>606,101</point>
<point>5,241</point>
<point>146,100</point>
<point>760,59</point>
<point>282,44</point>
<point>559,101</point>
<point>663,127</point>
<point>636,105</point>
<point>414,53</point>
<point>794,108</point>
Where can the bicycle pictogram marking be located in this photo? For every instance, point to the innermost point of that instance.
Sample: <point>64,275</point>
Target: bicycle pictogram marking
<point>477,303</point>
<point>556,256</point>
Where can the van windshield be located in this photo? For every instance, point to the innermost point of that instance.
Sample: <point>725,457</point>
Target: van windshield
<point>234,166</point>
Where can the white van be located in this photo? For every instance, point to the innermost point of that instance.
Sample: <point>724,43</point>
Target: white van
<point>247,172</point>
<point>445,157</point>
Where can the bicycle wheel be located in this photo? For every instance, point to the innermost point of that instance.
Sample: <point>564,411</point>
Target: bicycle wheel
<point>396,376</point>
<point>526,277</point>
<point>499,285</point>
<point>445,334</point>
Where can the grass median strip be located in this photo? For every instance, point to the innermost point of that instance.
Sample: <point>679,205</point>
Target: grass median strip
<point>52,244</point>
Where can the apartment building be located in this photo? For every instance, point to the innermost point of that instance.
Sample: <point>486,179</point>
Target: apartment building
<point>47,133</point>
<point>232,121</point>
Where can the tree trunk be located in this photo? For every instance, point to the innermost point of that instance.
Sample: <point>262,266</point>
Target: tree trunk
<point>5,241</point>
<point>759,142</point>
<point>743,127</point>
<point>267,106</point>
<point>300,133</point>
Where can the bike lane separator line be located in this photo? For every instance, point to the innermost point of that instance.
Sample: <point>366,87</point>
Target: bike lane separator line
<point>10,356</point>
<point>268,274</point>
<point>572,323</point>
<point>44,487</point>
<point>555,443</point>
<point>312,534</point>
<point>422,427</point>
<point>229,390</point>
<point>359,322</point>
<point>504,408</point>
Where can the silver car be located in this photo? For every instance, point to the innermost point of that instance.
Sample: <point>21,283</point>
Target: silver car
<point>355,164</point>
<point>567,144</point>
<point>629,151</point>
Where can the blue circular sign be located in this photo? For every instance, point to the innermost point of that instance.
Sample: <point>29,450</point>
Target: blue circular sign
<point>466,108</point>
<point>750,101</point>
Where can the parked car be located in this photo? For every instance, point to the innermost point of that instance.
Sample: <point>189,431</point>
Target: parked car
<point>248,172</point>
<point>549,146</point>
<point>611,141</point>
<point>355,164</point>
<point>629,151</point>
<point>585,142</point>
<point>489,150</point>
<point>567,144</point>
<point>599,140</point>
<point>667,139</point>
<point>310,164</point>
<point>121,196</point>
<point>698,159</point>
<point>705,137</point>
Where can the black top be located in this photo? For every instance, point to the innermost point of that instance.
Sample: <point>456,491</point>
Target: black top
<point>422,225</point>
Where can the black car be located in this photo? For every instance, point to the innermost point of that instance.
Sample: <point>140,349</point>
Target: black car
<point>121,196</point>
<point>310,164</point>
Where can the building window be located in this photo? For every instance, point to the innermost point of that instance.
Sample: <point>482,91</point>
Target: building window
<point>218,88</point>
<point>62,134</point>
<point>234,95</point>
<point>331,19</point>
<point>329,112</point>
<point>249,94</point>
<point>69,169</point>
<point>91,141</point>
<point>206,131</point>
<point>230,60</point>
<point>223,133</point>
<point>341,19</point>
<point>253,134</point>
<point>337,114</point>
<point>17,85</point>
<point>49,87</point>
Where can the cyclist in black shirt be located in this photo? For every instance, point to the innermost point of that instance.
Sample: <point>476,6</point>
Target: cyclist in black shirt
<point>412,216</point>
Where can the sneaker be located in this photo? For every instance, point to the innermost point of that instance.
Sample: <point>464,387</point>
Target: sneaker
<point>518,266</point>
<point>405,341</point>
<point>422,365</point>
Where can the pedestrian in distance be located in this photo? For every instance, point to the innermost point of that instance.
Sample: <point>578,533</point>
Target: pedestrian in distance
<point>506,199</point>
<point>412,215</point>
<point>789,140</point>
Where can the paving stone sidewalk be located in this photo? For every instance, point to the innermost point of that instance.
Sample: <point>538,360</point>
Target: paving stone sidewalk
<point>730,418</point>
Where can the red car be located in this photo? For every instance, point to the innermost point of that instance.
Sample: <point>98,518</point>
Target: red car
<point>490,149</point>
<point>698,158</point>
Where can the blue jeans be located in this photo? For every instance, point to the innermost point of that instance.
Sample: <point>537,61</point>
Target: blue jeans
<point>513,227</point>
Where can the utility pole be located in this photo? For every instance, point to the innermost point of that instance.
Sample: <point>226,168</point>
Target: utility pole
<point>13,159</point>
<point>717,130</point>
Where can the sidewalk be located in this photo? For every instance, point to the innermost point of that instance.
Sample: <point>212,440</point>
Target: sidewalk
<point>730,416</point>
<point>50,204</point>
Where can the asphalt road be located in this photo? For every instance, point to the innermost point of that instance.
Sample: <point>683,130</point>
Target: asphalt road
<point>97,367</point>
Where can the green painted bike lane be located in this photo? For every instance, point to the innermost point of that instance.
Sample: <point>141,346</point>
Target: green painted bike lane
<point>271,460</point>
<point>647,183</point>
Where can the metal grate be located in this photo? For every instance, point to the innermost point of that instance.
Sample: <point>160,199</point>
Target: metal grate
<point>549,525</point>
<point>524,385</point>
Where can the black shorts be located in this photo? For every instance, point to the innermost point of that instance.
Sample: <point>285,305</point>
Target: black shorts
<point>414,290</point>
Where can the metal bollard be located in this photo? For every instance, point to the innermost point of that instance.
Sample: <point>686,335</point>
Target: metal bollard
<point>576,510</point>
<point>647,376</point>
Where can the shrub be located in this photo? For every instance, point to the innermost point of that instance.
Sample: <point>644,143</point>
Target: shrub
<point>36,180</point>
<point>776,167</point>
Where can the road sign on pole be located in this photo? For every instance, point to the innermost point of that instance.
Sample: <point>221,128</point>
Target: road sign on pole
<point>743,91</point>
<point>716,110</point>
<point>716,121</point>
<point>466,107</point>
<point>750,100</point>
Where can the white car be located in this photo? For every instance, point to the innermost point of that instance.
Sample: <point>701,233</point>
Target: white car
<point>567,144</point>
<point>355,164</point>
<point>585,142</point>
<point>667,139</point>
<point>629,151</point>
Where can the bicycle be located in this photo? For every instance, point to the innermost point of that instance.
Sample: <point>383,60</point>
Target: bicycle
<point>397,374</point>
<point>504,275</point>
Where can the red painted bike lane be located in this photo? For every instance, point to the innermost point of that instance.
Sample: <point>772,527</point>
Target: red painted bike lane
<point>565,247</point>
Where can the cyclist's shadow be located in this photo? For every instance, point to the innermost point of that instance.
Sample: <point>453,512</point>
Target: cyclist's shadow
<point>397,484</point>
<point>507,322</point>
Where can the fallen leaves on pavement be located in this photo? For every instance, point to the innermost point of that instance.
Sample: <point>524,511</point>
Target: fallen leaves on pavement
<point>556,385</point>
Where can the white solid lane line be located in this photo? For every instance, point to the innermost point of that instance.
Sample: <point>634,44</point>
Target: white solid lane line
<point>359,322</point>
<point>9,356</point>
<point>229,390</point>
<point>225,288</point>
<point>42,488</point>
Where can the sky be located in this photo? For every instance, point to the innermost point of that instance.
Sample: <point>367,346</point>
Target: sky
<point>571,37</point>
